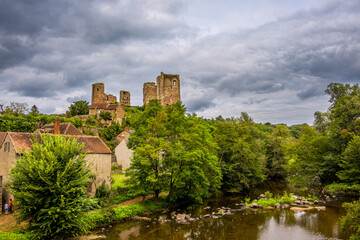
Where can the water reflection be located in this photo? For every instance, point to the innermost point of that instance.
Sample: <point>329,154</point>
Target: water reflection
<point>244,224</point>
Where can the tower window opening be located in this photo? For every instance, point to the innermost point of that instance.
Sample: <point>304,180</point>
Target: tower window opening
<point>174,82</point>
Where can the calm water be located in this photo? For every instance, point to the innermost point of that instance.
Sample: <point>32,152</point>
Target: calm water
<point>242,224</point>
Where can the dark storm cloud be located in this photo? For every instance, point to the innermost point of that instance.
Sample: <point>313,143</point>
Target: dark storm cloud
<point>302,53</point>
<point>61,37</point>
<point>57,49</point>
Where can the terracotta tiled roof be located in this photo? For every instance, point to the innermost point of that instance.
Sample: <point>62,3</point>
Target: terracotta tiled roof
<point>112,107</point>
<point>65,128</point>
<point>92,144</point>
<point>101,105</point>
<point>2,137</point>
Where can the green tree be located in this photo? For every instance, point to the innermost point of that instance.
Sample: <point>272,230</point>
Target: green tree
<point>16,108</point>
<point>34,111</point>
<point>311,161</point>
<point>173,152</point>
<point>79,108</point>
<point>148,142</point>
<point>277,157</point>
<point>48,185</point>
<point>105,115</point>
<point>350,223</point>
<point>190,159</point>
<point>350,162</point>
<point>344,113</point>
<point>241,153</point>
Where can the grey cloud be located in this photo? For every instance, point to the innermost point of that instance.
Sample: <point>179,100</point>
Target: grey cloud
<point>321,44</point>
<point>252,101</point>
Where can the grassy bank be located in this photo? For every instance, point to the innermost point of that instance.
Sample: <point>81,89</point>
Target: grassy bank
<point>96,218</point>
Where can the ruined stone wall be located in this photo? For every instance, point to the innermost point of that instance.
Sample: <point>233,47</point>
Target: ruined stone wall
<point>125,98</point>
<point>149,92</point>
<point>111,98</point>
<point>168,88</point>
<point>98,93</point>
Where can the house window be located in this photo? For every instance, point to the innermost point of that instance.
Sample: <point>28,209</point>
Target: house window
<point>7,147</point>
<point>174,82</point>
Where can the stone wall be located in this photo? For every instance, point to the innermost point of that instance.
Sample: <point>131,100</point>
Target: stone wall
<point>98,94</point>
<point>149,92</point>
<point>125,98</point>
<point>167,89</point>
<point>101,167</point>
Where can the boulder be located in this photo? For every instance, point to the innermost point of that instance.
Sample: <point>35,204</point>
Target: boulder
<point>262,196</point>
<point>181,217</point>
<point>285,205</point>
<point>277,205</point>
<point>255,205</point>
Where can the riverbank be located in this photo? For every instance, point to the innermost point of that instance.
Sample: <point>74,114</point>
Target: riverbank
<point>9,229</point>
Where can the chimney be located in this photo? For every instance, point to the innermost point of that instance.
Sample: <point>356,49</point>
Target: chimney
<point>57,126</point>
<point>127,128</point>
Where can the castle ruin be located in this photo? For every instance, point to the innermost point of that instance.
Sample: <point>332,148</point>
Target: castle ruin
<point>99,95</point>
<point>167,89</point>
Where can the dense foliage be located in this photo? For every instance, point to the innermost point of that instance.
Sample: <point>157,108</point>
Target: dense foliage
<point>350,223</point>
<point>48,185</point>
<point>173,152</point>
<point>79,108</point>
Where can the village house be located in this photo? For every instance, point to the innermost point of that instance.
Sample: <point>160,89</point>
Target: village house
<point>65,128</point>
<point>122,153</point>
<point>102,103</point>
<point>13,144</point>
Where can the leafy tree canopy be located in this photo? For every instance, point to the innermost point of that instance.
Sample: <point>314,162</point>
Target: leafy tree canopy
<point>173,152</point>
<point>48,185</point>
<point>79,108</point>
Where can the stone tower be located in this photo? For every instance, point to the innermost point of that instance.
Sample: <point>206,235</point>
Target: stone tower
<point>125,98</point>
<point>98,93</point>
<point>149,92</point>
<point>168,88</point>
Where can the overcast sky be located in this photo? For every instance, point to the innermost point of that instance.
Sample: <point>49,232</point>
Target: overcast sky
<point>270,58</point>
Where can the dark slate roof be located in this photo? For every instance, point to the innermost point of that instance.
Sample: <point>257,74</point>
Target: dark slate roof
<point>65,129</point>
<point>92,144</point>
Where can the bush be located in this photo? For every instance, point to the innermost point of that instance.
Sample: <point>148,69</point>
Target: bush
<point>350,223</point>
<point>344,187</point>
<point>102,191</point>
<point>48,185</point>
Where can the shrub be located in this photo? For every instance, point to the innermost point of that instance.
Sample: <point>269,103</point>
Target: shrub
<point>48,185</point>
<point>350,223</point>
<point>103,191</point>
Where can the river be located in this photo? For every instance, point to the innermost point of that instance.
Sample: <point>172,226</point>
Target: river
<point>248,224</point>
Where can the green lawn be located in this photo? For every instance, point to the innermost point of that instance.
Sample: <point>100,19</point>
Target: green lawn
<point>119,180</point>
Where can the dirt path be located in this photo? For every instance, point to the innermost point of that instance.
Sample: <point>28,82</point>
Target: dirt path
<point>9,222</point>
<point>137,200</point>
